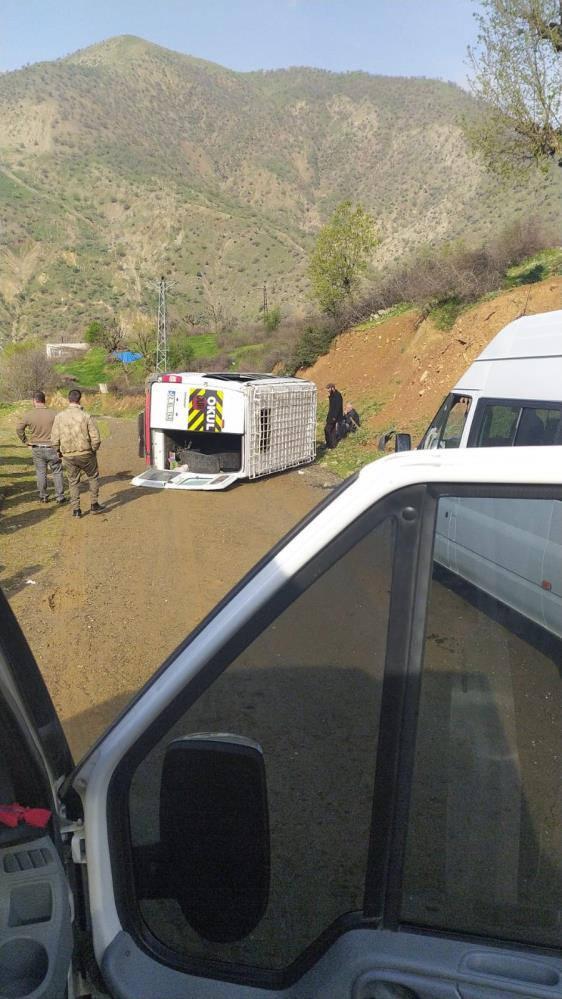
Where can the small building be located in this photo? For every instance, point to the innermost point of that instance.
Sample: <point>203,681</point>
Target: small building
<point>65,351</point>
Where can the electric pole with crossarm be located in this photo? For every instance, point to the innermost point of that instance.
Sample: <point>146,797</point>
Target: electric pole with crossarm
<point>162,334</point>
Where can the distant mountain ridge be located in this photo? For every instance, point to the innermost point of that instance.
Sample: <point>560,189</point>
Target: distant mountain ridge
<point>125,160</point>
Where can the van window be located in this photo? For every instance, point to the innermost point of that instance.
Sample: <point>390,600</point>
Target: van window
<point>539,427</point>
<point>509,424</point>
<point>488,738</point>
<point>308,690</point>
<point>447,427</point>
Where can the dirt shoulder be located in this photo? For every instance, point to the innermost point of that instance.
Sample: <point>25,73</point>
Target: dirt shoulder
<point>397,372</point>
<point>114,594</point>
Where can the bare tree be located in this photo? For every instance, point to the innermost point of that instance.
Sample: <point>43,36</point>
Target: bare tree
<point>517,77</point>
<point>25,369</point>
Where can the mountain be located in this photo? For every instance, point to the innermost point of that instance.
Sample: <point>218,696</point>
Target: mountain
<point>125,161</point>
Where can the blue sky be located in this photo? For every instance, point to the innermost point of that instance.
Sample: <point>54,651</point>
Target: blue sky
<point>394,37</point>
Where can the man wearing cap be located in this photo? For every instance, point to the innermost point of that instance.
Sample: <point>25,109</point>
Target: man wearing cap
<point>335,415</point>
<point>34,430</point>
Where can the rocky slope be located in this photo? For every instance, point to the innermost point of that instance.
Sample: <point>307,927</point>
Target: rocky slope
<point>125,161</point>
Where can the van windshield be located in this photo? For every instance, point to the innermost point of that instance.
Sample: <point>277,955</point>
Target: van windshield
<point>446,429</point>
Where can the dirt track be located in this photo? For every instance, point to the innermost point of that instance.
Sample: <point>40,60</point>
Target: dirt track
<point>129,585</point>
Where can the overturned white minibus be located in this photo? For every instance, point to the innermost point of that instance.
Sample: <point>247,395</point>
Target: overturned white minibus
<point>205,431</point>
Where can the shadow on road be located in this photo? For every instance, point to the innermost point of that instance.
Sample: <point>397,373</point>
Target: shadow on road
<point>13,584</point>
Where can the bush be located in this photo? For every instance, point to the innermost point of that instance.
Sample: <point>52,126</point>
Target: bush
<point>272,319</point>
<point>314,341</point>
<point>455,274</point>
<point>25,369</point>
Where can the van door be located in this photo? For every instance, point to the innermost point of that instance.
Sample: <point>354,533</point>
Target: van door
<point>383,726</point>
<point>551,581</point>
<point>156,478</point>
<point>36,939</point>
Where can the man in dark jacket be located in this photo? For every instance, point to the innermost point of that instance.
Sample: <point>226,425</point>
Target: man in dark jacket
<point>34,430</point>
<point>335,415</point>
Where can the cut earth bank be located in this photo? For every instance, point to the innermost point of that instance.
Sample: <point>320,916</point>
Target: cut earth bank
<point>397,372</point>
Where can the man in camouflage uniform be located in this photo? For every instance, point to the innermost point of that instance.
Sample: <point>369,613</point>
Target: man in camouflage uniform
<point>77,438</point>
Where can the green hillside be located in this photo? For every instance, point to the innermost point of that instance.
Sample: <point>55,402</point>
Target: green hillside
<point>126,161</point>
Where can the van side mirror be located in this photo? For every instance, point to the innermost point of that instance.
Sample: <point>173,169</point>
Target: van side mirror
<point>403,442</point>
<point>214,829</point>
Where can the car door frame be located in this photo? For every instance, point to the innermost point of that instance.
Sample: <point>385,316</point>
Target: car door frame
<point>400,691</point>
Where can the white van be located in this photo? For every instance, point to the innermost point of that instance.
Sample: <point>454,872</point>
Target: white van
<point>325,791</point>
<point>205,431</point>
<point>511,396</point>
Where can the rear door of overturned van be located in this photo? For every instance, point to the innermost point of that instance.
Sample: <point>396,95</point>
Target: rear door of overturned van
<point>195,434</point>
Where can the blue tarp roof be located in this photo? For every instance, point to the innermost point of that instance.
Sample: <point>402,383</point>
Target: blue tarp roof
<point>126,356</point>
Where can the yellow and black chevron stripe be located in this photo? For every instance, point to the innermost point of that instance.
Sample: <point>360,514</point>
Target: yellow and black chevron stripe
<point>205,411</point>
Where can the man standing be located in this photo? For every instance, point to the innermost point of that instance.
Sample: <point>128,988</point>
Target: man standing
<point>335,415</point>
<point>38,422</point>
<point>77,438</point>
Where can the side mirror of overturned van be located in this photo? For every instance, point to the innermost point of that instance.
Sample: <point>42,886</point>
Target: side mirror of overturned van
<point>402,442</point>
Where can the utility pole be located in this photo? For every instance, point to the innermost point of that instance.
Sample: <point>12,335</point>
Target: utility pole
<point>265,309</point>
<point>162,334</point>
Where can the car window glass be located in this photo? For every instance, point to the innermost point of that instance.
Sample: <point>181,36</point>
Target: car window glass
<point>498,426</point>
<point>308,691</point>
<point>454,426</point>
<point>451,409</point>
<point>484,846</point>
<point>538,427</point>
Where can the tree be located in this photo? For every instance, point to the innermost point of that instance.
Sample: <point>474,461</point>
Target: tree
<point>110,335</point>
<point>272,319</point>
<point>143,340</point>
<point>517,77</point>
<point>180,353</point>
<point>25,369</point>
<point>340,255</point>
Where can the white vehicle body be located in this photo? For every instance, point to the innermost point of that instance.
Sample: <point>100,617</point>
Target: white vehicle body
<point>510,396</point>
<point>206,431</point>
<point>424,955</point>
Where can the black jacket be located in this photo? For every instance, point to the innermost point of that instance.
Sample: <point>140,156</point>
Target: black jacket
<point>335,409</point>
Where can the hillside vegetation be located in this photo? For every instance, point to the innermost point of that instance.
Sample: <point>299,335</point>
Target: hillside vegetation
<point>126,161</point>
<point>396,370</point>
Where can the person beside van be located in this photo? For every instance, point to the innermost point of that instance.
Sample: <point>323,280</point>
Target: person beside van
<point>335,415</point>
<point>76,436</point>
<point>351,419</point>
<point>34,430</point>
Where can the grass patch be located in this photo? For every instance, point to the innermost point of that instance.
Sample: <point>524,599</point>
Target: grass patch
<point>545,264</point>
<point>245,357</point>
<point>355,450</point>
<point>204,345</point>
<point>396,310</point>
<point>445,314</point>
<point>90,370</point>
